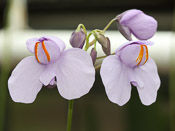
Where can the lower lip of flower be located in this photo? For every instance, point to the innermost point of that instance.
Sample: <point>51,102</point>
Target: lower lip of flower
<point>45,51</point>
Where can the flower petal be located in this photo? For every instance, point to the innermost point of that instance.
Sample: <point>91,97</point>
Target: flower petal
<point>75,73</point>
<point>115,79</point>
<point>128,15</point>
<point>31,44</point>
<point>58,41</point>
<point>142,26</point>
<point>149,75</point>
<point>48,74</point>
<point>24,83</point>
<point>141,42</point>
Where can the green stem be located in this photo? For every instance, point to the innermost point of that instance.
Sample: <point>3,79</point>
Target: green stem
<point>82,26</point>
<point>87,41</point>
<point>97,67</point>
<point>109,24</point>
<point>101,57</point>
<point>70,111</point>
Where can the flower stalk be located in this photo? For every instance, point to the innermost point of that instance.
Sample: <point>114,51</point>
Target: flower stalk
<point>109,24</point>
<point>70,112</point>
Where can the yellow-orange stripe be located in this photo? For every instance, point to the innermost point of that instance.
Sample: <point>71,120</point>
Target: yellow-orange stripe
<point>36,51</point>
<point>146,54</point>
<point>139,58</point>
<point>46,52</point>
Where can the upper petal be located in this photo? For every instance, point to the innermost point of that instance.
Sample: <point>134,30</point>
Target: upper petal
<point>128,15</point>
<point>142,26</point>
<point>149,75</point>
<point>47,52</point>
<point>141,42</point>
<point>75,73</point>
<point>58,41</point>
<point>24,83</point>
<point>31,44</point>
<point>115,79</point>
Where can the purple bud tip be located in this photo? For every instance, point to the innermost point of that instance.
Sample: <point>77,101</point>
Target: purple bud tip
<point>93,54</point>
<point>77,39</point>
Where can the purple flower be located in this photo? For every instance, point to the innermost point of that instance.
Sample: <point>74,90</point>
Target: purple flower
<point>136,22</point>
<point>77,39</point>
<point>72,70</point>
<point>130,65</point>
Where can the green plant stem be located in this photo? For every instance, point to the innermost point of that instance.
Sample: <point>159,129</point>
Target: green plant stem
<point>82,26</point>
<point>87,41</point>
<point>101,57</point>
<point>97,67</point>
<point>109,24</point>
<point>70,111</point>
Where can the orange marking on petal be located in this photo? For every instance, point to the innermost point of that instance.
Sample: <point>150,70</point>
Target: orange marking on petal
<point>146,54</point>
<point>46,52</point>
<point>36,51</point>
<point>139,58</point>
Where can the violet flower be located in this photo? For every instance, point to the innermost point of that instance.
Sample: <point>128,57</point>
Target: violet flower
<point>72,70</point>
<point>130,65</point>
<point>136,22</point>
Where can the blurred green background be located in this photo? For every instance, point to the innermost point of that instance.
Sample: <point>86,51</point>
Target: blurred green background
<point>92,112</point>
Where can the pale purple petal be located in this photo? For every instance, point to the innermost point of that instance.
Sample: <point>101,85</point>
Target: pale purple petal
<point>129,15</point>
<point>52,82</point>
<point>115,79</point>
<point>141,25</point>
<point>141,42</point>
<point>129,54</point>
<point>48,74</point>
<point>75,73</point>
<point>58,41</point>
<point>52,49</point>
<point>31,44</point>
<point>149,75</point>
<point>134,79</point>
<point>24,83</point>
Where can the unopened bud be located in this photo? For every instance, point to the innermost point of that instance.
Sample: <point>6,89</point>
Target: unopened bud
<point>136,22</point>
<point>107,50</point>
<point>102,40</point>
<point>77,39</point>
<point>93,55</point>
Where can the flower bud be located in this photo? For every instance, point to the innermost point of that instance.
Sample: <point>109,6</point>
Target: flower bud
<point>137,23</point>
<point>77,39</point>
<point>93,54</point>
<point>102,40</point>
<point>107,50</point>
